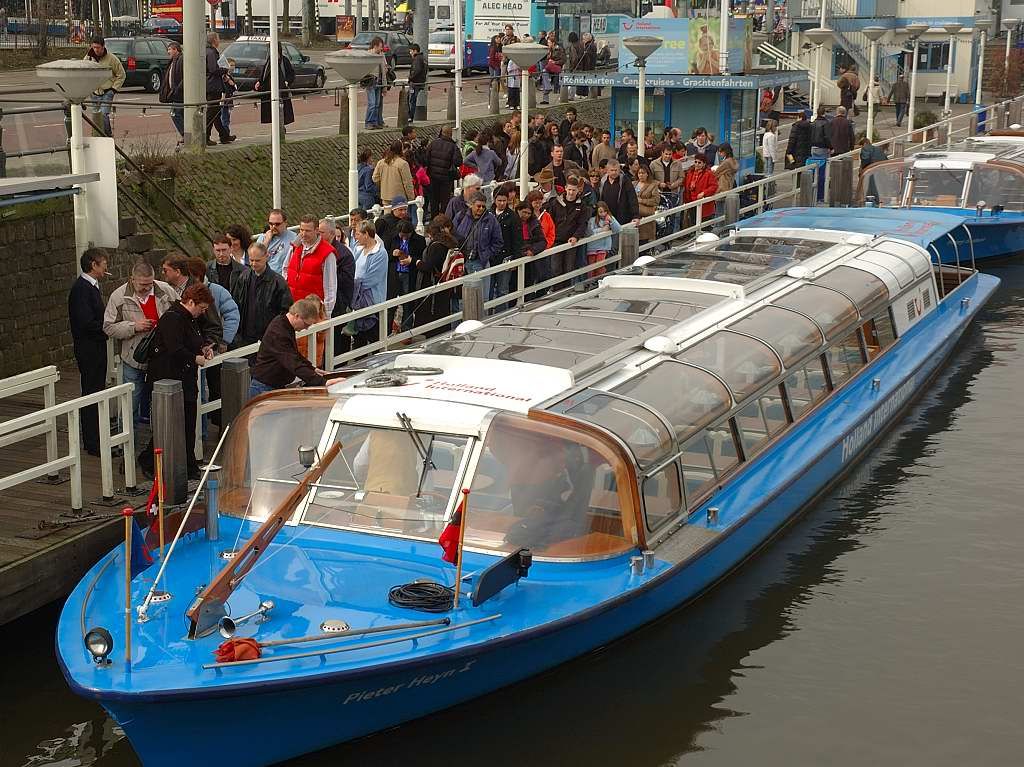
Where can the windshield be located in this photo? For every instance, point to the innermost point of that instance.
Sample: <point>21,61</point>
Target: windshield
<point>442,37</point>
<point>995,185</point>
<point>884,182</point>
<point>247,51</point>
<point>118,47</point>
<point>937,187</point>
<point>364,38</point>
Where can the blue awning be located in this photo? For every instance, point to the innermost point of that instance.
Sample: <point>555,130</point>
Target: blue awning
<point>918,226</point>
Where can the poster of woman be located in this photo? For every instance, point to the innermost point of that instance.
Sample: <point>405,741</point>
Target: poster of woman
<point>704,47</point>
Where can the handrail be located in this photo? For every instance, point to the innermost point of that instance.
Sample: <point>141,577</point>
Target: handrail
<point>33,424</point>
<point>46,379</point>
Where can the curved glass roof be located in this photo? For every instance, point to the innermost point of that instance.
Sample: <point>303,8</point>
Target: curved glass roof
<point>864,288</point>
<point>744,363</point>
<point>791,335</point>
<point>687,397</point>
<point>642,430</point>
<point>833,311</point>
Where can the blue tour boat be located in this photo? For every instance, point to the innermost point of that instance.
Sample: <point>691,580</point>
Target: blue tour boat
<point>623,449</point>
<point>981,180</point>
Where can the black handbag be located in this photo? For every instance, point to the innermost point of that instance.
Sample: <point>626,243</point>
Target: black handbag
<point>144,349</point>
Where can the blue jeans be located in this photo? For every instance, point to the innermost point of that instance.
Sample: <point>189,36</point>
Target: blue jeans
<point>140,403</point>
<point>901,111</point>
<point>374,107</point>
<point>256,388</point>
<point>103,104</point>
<point>414,95</point>
<point>178,120</point>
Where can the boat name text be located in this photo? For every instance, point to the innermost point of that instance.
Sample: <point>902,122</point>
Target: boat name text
<point>423,680</point>
<point>481,391</point>
<point>854,441</point>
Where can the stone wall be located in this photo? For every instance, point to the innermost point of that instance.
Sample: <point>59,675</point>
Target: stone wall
<point>234,185</point>
<point>37,253</point>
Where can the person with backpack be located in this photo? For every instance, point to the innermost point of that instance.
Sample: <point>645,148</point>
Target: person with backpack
<point>479,233</point>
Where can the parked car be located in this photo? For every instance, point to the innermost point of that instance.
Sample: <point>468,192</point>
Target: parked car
<point>162,26</point>
<point>250,54</point>
<point>396,46</point>
<point>441,53</point>
<point>145,58</point>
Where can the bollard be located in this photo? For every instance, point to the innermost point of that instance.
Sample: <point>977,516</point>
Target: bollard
<point>451,101</point>
<point>1018,113</point>
<point>808,189</point>
<point>732,208</point>
<point>899,149</point>
<point>168,421</point>
<point>473,300</point>
<point>403,107</point>
<point>629,245</point>
<point>840,182</point>
<point>564,94</point>
<point>974,125</point>
<point>492,99</point>
<point>342,111</point>
<point>235,379</point>
<point>212,504</point>
<point>1004,117</point>
<point>421,104</point>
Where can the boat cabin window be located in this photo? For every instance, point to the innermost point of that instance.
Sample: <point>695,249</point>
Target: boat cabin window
<point>995,185</point>
<point>687,397</point>
<point>863,288</point>
<point>938,187</point>
<point>744,363</point>
<point>790,334</point>
<point>706,459</point>
<point>644,433</point>
<point>833,311</point>
<point>844,358</point>
<point>263,446</point>
<point>760,420</point>
<point>884,182</point>
<point>663,496</point>
<point>805,387</point>
<point>382,483</point>
<point>560,492</point>
<point>879,334</point>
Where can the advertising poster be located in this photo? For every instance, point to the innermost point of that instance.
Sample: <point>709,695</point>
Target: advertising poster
<point>345,28</point>
<point>704,56</point>
<point>690,45</point>
<point>491,16</point>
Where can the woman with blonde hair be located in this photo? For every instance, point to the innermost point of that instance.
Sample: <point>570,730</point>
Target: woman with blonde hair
<point>321,337</point>
<point>393,176</point>
<point>647,196</point>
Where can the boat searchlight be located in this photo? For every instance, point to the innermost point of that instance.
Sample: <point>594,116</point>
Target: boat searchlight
<point>100,644</point>
<point>307,455</point>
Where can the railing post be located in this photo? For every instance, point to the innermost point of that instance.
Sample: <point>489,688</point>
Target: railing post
<point>75,453</point>
<point>973,130</point>
<point>106,464</point>
<point>841,187</point>
<point>492,98</point>
<point>451,102</point>
<point>49,400</point>
<point>899,149</point>
<point>235,378</point>
<point>421,105</point>
<point>169,434</point>
<point>808,188</point>
<point>128,450</point>
<point>403,107</point>
<point>1004,117</point>
<point>473,300</point>
<point>629,245</point>
<point>732,208</point>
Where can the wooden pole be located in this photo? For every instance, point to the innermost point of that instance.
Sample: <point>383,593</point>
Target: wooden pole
<point>127,513</point>
<point>158,456</point>
<point>462,539</point>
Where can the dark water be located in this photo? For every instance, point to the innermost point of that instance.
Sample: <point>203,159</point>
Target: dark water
<point>885,627</point>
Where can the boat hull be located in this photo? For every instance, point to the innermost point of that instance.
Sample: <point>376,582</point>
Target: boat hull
<point>169,727</point>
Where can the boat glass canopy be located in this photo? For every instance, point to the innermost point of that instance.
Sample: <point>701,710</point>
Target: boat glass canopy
<point>832,311</point>
<point>744,363</point>
<point>865,289</point>
<point>792,335</point>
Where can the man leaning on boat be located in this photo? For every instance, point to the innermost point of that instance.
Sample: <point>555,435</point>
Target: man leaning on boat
<point>278,362</point>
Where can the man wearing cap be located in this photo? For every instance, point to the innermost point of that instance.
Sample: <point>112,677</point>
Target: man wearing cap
<point>545,182</point>
<point>103,96</point>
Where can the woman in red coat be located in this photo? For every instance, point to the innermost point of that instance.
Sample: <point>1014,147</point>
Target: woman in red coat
<point>699,183</point>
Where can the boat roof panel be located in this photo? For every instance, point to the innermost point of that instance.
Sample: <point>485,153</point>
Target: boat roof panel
<point>920,227</point>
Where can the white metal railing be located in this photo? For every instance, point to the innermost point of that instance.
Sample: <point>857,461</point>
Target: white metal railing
<point>44,421</point>
<point>46,379</point>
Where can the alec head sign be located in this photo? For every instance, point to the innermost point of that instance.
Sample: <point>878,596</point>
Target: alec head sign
<point>691,45</point>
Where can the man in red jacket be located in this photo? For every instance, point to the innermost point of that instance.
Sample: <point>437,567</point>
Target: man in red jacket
<point>312,266</point>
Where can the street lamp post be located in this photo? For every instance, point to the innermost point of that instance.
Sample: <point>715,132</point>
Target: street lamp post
<point>819,36</point>
<point>75,80</point>
<point>1009,25</point>
<point>643,47</point>
<point>983,26</point>
<point>952,30</point>
<point>915,31</point>
<point>275,108</point>
<point>524,56</point>
<point>873,34</point>
<point>353,66</point>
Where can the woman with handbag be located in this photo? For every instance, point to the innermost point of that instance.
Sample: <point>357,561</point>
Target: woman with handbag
<point>177,354</point>
<point>429,271</point>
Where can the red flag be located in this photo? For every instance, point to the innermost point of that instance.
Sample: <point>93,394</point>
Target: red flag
<point>449,538</point>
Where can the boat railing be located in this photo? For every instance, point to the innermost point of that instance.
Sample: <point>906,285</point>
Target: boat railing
<point>44,423</point>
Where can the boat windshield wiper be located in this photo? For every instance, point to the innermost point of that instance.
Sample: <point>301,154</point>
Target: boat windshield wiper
<point>423,451</point>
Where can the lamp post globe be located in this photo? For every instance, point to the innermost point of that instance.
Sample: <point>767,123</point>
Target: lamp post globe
<point>819,36</point>
<point>643,47</point>
<point>524,56</point>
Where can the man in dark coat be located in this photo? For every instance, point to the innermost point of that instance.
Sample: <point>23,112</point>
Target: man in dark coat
<point>222,269</point>
<point>214,90</point>
<point>619,194</point>
<point>285,80</point>
<point>841,132</point>
<point>261,294</point>
<point>85,312</point>
<point>570,215</point>
<point>799,147</point>
<point>417,78</point>
<point>821,140</point>
<point>443,161</point>
<point>172,89</point>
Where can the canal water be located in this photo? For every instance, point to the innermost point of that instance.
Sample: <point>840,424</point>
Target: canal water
<point>885,627</point>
